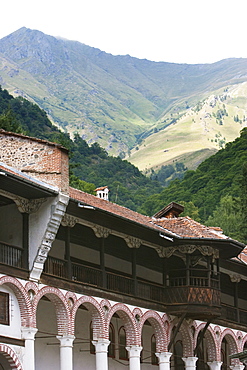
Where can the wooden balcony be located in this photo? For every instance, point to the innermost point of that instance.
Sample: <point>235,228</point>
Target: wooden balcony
<point>194,296</point>
<point>177,297</point>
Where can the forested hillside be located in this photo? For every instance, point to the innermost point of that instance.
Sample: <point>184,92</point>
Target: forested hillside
<point>90,166</point>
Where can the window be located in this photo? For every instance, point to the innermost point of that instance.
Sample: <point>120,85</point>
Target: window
<point>4,308</point>
<point>178,354</point>
<point>154,358</point>
<point>111,348</point>
<point>123,354</point>
<point>225,352</point>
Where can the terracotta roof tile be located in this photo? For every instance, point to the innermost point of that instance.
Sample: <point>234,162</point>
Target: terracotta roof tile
<point>102,188</point>
<point>186,227</point>
<point>110,207</point>
<point>243,256</point>
<point>181,226</point>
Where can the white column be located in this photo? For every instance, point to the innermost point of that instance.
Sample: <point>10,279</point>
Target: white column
<point>237,367</point>
<point>29,358</point>
<point>190,362</point>
<point>215,365</point>
<point>66,351</point>
<point>134,357</point>
<point>101,349</point>
<point>164,360</point>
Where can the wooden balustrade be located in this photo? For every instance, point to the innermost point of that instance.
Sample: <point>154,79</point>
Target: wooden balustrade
<point>234,314</point>
<point>11,255</point>
<point>176,292</point>
<point>121,284</point>
<point>56,267</point>
<point>86,274</point>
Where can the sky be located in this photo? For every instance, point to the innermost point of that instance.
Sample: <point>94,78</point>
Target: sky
<point>177,31</point>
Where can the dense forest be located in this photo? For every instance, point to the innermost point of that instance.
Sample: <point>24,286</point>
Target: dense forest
<point>214,194</point>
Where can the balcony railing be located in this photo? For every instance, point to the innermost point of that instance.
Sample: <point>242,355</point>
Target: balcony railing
<point>177,292</point>
<point>86,274</point>
<point>56,267</point>
<point>11,255</point>
<point>234,314</point>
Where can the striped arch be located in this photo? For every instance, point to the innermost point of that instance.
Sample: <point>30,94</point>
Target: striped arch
<point>187,338</point>
<point>11,357</point>
<point>133,336</point>
<point>233,345</point>
<point>244,341</point>
<point>97,313</point>
<point>30,285</point>
<point>159,329</point>
<point>61,308</point>
<point>22,298</point>
<point>211,341</point>
<point>167,322</point>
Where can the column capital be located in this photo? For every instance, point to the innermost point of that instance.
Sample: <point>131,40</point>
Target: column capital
<point>214,365</point>
<point>101,345</point>
<point>28,332</point>
<point>66,340</point>
<point>66,351</point>
<point>163,356</point>
<point>190,362</point>
<point>134,351</point>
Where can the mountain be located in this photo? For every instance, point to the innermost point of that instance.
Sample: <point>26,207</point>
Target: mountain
<point>220,175</point>
<point>90,166</point>
<point>118,101</point>
<point>197,133</point>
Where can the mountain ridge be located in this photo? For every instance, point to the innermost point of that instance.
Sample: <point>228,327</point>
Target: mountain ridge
<point>113,100</point>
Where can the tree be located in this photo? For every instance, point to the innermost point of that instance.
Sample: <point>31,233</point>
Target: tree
<point>190,210</point>
<point>243,196</point>
<point>8,122</point>
<point>79,184</point>
<point>228,216</point>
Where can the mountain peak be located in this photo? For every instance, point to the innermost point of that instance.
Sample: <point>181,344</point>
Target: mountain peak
<point>114,100</point>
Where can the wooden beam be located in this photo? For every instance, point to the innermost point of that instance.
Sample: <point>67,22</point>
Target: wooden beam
<point>201,336</point>
<point>176,331</point>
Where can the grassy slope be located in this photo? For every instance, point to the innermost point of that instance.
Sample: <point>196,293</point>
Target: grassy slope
<point>197,131</point>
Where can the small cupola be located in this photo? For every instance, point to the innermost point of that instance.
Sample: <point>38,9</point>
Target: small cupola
<point>173,210</point>
<point>102,192</point>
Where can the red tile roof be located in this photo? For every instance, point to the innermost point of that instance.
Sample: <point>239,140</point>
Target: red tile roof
<point>110,207</point>
<point>188,228</point>
<point>184,227</point>
<point>243,255</point>
<point>181,226</point>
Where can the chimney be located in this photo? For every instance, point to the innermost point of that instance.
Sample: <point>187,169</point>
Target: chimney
<point>102,192</point>
<point>173,210</point>
<point>41,159</point>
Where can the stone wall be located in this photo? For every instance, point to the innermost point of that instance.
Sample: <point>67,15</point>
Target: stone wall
<point>40,159</point>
